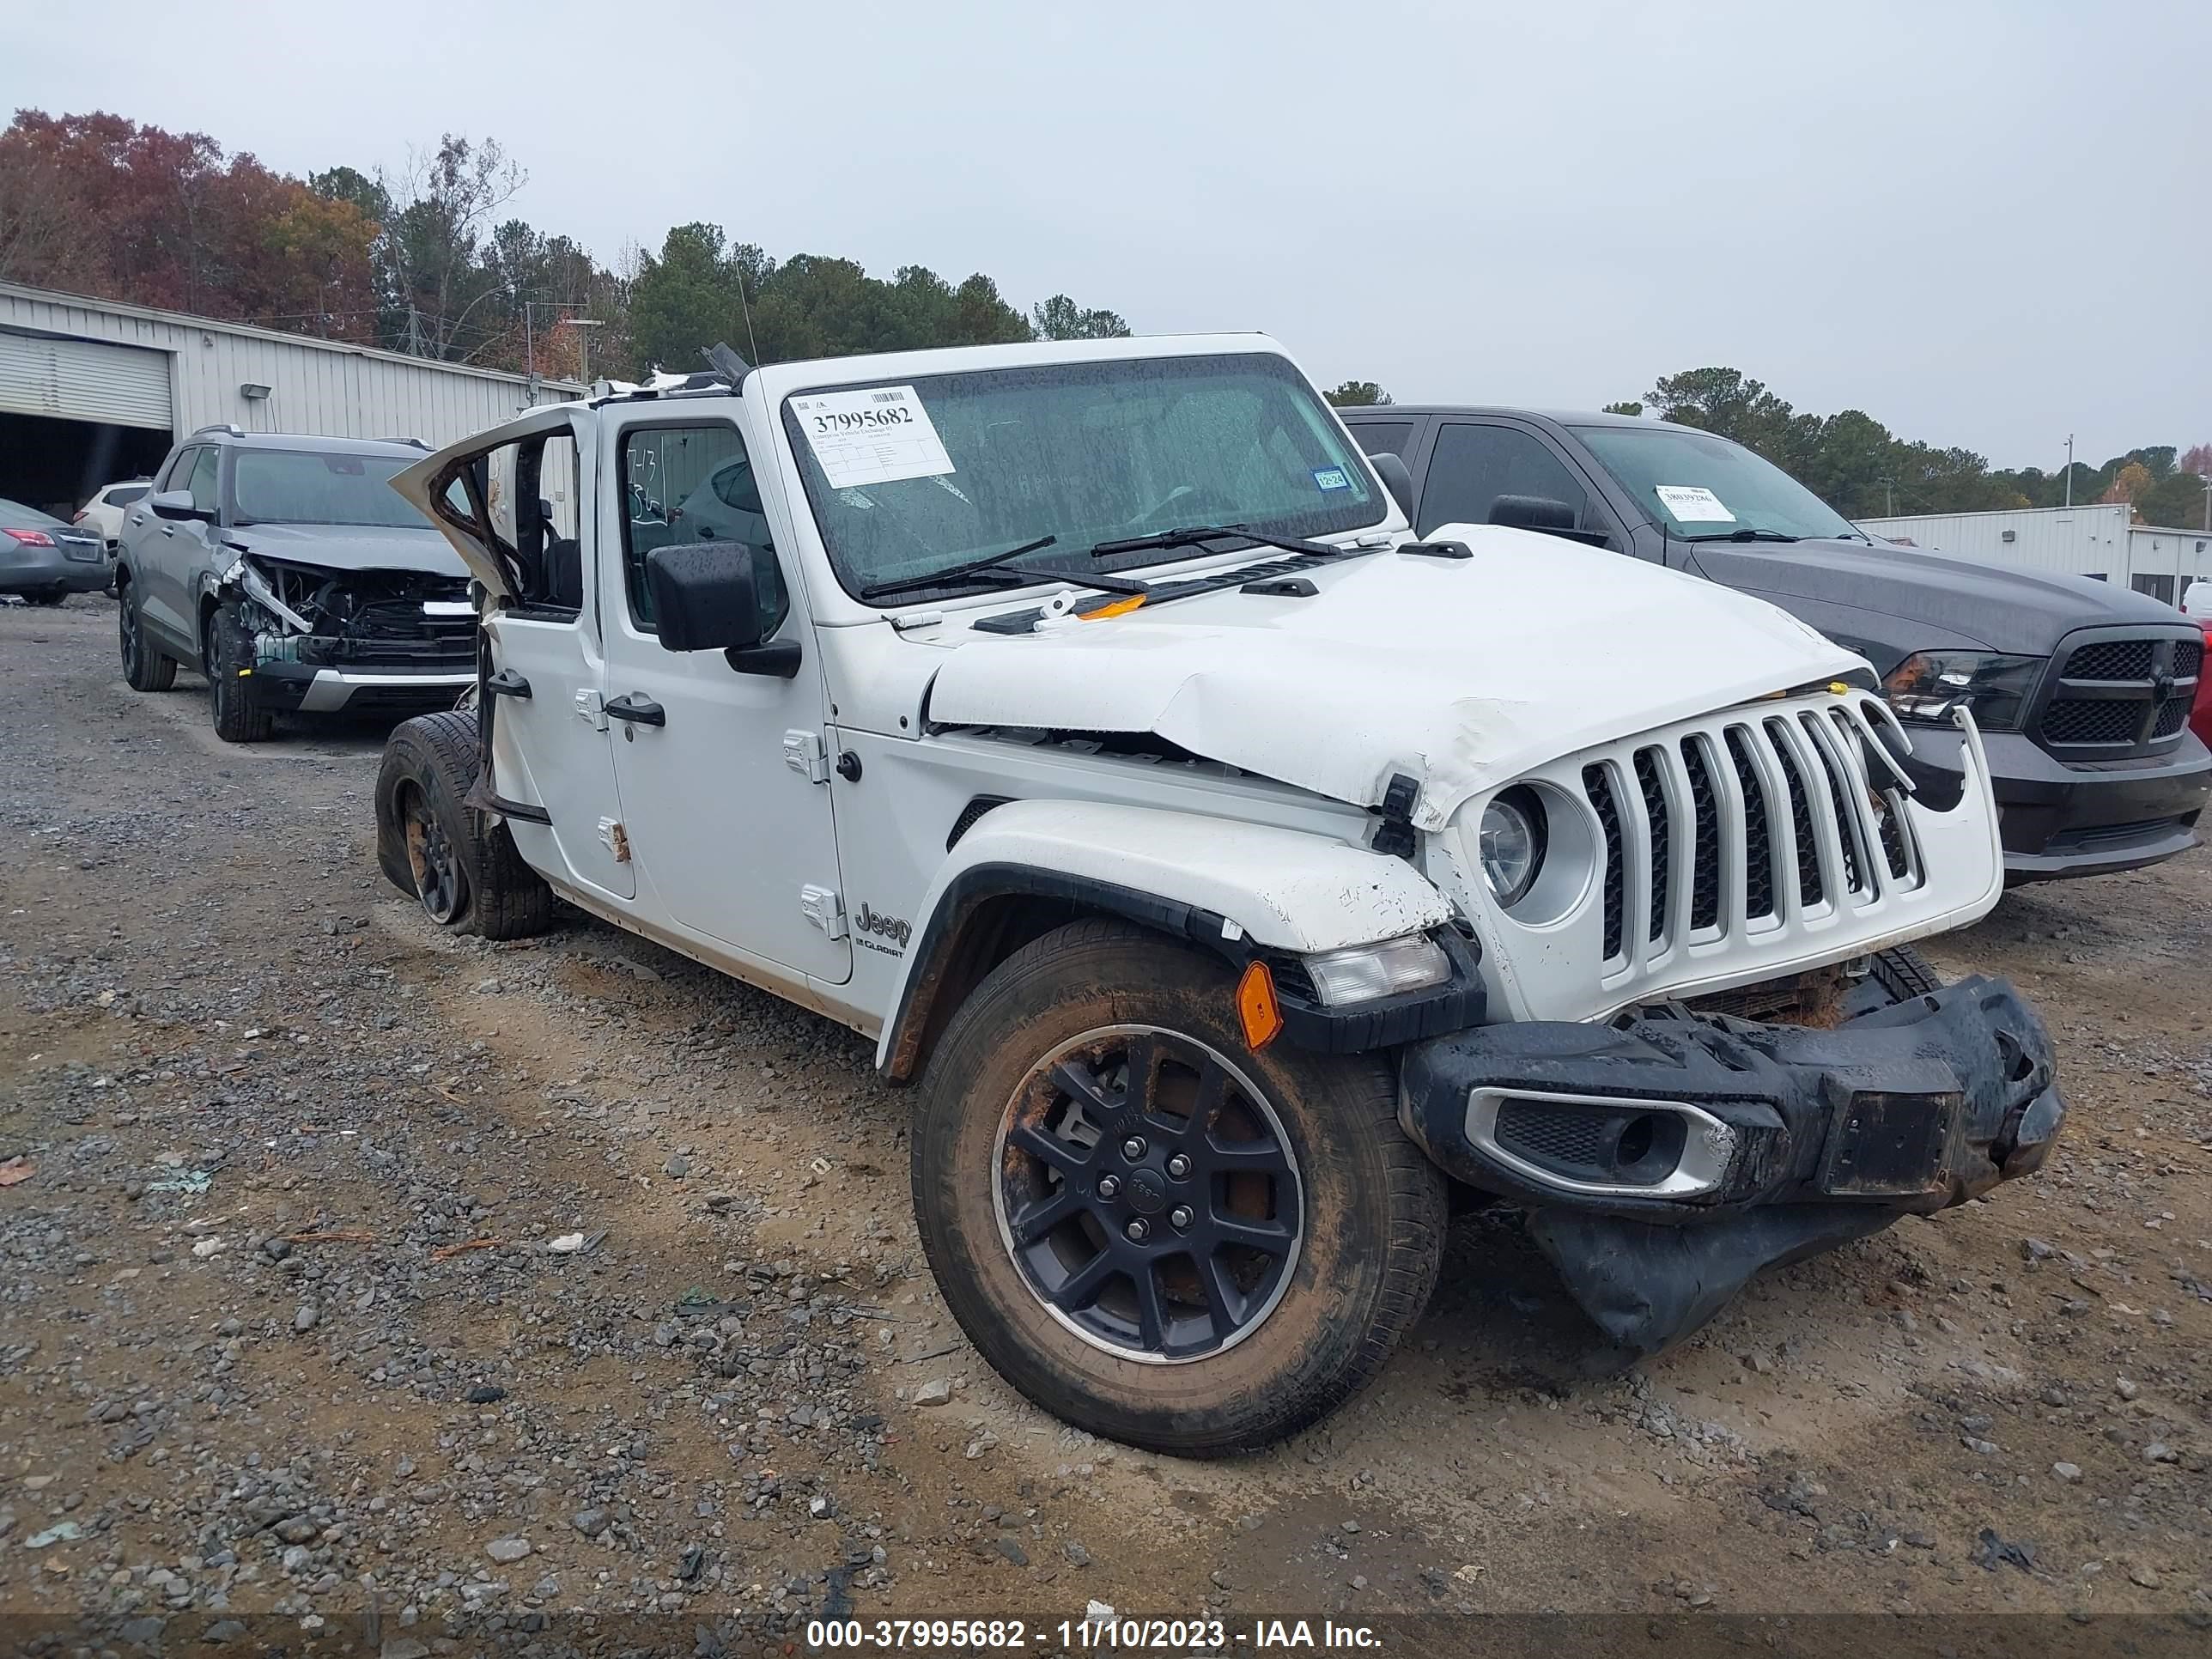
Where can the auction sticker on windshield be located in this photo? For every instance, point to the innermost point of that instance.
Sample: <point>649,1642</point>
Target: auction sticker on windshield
<point>1692,504</point>
<point>877,435</point>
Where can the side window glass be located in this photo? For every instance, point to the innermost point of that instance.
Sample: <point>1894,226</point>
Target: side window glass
<point>180,469</point>
<point>1473,465</point>
<point>1383,437</point>
<point>203,483</point>
<point>692,484</point>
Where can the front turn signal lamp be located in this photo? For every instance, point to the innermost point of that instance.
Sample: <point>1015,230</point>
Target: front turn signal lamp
<point>1257,1010</point>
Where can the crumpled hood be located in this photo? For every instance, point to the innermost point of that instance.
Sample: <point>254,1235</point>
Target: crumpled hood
<point>2005,608</point>
<point>352,547</point>
<point>1464,673</point>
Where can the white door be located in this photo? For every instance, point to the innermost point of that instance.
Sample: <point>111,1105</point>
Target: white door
<point>550,748</point>
<point>733,842</point>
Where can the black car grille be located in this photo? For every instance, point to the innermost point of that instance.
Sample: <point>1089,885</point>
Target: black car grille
<point>1758,856</point>
<point>1706,872</point>
<point>2112,660</point>
<point>1655,809</point>
<point>2114,698</point>
<point>1597,784</point>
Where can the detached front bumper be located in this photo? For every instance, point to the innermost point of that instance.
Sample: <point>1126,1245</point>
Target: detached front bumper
<point>307,689</point>
<point>1669,1158</point>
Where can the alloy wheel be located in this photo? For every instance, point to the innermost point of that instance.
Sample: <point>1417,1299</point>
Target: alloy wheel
<point>1148,1194</point>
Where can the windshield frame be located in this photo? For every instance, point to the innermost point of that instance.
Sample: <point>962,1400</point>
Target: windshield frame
<point>1592,435</point>
<point>379,489</point>
<point>1070,561</point>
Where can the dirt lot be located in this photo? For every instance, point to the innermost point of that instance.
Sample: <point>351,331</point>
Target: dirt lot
<point>284,1332</point>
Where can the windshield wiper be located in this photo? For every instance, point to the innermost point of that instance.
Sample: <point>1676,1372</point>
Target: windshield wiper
<point>1745,534</point>
<point>993,566</point>
<point>1197,535</point>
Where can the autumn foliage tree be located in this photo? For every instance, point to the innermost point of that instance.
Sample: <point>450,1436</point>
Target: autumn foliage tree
<point>100,205</point>
<point>2130,482</point>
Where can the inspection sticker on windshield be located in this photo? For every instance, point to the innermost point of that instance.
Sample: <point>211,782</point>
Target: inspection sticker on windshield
<point>1692,504</point>
<point>1331,477</point>
<point>878,435</point>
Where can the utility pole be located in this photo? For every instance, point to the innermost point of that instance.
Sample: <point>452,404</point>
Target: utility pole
<point>2070,468</point>
<point>583,344</point>
<point>2208,504</point>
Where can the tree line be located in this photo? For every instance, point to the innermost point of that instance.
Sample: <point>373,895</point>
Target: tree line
<point>1862,469</point>
<point>426,259</point>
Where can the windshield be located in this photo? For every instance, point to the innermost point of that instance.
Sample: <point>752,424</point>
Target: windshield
<point>1700,488</point>
<point>285,486</point>
<point>918,476</point>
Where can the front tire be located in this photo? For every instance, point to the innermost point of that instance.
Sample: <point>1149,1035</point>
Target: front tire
<point>1202,1261</point>
<point>237,713</point>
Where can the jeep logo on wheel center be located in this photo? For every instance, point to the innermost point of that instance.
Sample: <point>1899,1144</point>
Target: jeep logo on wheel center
<point>883,927</point>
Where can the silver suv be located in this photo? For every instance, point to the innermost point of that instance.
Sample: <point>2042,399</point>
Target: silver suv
<point>284,570</point>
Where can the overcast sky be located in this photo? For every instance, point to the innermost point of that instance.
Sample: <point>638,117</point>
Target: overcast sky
<point>1987,224</point>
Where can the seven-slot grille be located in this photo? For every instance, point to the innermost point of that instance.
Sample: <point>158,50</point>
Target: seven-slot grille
<point>1746,825</point>
<point>2115,698</point>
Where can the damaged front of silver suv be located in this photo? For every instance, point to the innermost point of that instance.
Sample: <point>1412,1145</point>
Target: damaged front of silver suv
<point>285,570</point>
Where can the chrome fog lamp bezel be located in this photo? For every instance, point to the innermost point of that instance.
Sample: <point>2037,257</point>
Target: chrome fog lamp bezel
<point>1708,1148</point>
<point>1372,973</point>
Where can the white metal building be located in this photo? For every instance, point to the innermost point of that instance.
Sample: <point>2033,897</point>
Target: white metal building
<point>92,391</point>
<point>2095,540</point>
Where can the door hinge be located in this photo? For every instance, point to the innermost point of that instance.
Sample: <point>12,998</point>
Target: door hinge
<point>803,753</point>
<point>615,839</point>
<point>592,705</point>
<point>824,908</point>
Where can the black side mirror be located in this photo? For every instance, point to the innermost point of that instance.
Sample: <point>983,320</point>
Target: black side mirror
<point>1533,512</point>
<point>176,504</point>
<point>1391,469</point>
<point>706,597</point>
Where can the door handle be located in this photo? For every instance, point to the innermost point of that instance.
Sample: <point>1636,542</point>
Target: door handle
<point>168,530</point>
<point>639,711</point>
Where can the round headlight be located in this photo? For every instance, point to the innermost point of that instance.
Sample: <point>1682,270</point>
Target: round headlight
<point>1512,845</point>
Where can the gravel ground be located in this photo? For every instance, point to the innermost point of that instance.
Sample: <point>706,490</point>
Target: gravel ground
<point>363,1280</point>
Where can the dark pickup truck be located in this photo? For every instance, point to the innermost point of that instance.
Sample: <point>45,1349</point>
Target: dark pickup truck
<point>2082,692</point>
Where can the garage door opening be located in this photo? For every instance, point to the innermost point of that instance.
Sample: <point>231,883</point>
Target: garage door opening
<point>55,466</point>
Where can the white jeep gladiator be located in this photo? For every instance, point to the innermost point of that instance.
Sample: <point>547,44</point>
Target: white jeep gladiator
<point>1236,879</point>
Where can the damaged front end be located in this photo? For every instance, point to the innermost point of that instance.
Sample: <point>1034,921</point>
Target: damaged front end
<point>1669,1155</point>
<point>320,640</point>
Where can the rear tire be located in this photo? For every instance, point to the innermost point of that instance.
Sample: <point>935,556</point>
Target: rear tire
<point>458,863</point>
<point>53,598</point>
<point>1189,1339</point>
<point>144,667</point>
<point>237,712</point>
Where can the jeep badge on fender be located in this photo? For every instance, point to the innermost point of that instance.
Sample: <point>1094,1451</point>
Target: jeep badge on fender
<point>890,928</point>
